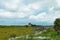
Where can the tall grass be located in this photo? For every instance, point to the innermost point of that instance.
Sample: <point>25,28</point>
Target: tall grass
<point>6,32</point>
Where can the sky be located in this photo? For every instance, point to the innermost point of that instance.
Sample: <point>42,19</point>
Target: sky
<point>21,12</point>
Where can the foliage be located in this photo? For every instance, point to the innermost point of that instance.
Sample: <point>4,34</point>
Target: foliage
<point>57,24</point>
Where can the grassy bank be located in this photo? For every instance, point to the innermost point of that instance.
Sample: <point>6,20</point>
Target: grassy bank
<point>53,35</point>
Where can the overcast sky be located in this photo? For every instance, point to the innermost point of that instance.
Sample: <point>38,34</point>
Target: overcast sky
<point>20,12</point>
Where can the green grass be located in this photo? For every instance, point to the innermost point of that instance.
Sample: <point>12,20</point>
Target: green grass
<point>52,34</point>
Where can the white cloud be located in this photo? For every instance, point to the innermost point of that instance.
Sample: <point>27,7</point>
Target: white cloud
<point>12,4</point>
<point>58,3</point>
<point>34,6</point>
<point>24,8</point>
<point>30,7</point>
<point>21,15</point>
<point>39,17</point>
<point>7,14</point>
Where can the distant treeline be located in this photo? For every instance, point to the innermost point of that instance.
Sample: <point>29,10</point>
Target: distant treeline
<point>2,26</point>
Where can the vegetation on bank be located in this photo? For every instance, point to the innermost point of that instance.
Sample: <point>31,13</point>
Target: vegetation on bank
<point>49,33</point>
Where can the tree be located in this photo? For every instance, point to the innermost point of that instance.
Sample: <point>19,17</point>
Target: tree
<point>57,25</point>
<point>29,24</point>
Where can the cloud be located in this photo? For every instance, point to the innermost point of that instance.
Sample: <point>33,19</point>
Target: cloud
<point>57,3</point>
<point>34,6</point>
<point>49,16</point>
<point>7,14</point>
<point>4,14</point>
<point>11,4</point>
<point>39,17</point>
<point>38,10</point>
